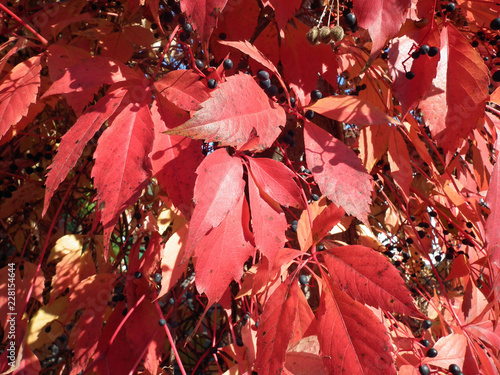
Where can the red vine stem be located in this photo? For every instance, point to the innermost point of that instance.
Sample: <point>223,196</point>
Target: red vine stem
<point>13,15</point>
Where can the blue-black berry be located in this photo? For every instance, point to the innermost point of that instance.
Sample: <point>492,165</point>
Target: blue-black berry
<point>424,370</point>
<point>495,24</point>
<point>316,95</point>
<point>137,275</point>
<point>199,64</point>
<point>433,51</point>
<point>212,83</point>
<point>410,75</point>
<point>450,7</point>
<point>228,64</point>
<point>271,91</point>
<point>262,75</point>
<point>431,353</point>
<point>266,83</point>
<point>315,197</point>
<point>425,343</point>
<point>157,277</point>
<point>424,49</point>
<point>350,19</point>
<point>303,279</point>
<point>162,322</point>
<point>454,369</point>
<point>427,324</point>
<point>309,114</point>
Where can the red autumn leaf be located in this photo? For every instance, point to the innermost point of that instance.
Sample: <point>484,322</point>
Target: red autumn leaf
<point>451,350</point>
<point>277,181</point>
<point>302,62</point>
<point>238,114</point>
<point>59,58</point>
<point>410,92</point>
<point>18,90</point>
<point>237,22</point>
<point>369,277</point>
<point>455,102</point>
<point>382,19</point>
<point>221,254</point>
<point>174,158</point>
<point>493,221</point>
<point>91,73</point>
<point>268,222</point>
<point>268,44</point>
<point>284,10</point>
<point>218,189</point>
<point>351,110</point>
<point>399,160</point>
<point>182,88</point>
<point>276,327</point>
<point>75,140</point>
<point>203,15</point>
<point>337,171</point>
<point>122,165</point>
<point>373,144</point>
<point>352,340</point>
<point>325,221</point>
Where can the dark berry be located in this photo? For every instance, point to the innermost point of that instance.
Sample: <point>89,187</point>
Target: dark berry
<point>496,76</point>
<point>410,75</point>
<point>425,343</point>
<point>13,168</point>
<point>454,369</point>
<point>154,26</point>
<point>475,43</point>
<point>157,277</point>
<point>493,42</point>
<point>303,279</point>
<point>431,353</point>
<point>433,51</point>
<point>29,170</point>
<point>424,370</point>
<point>424,49</point>
<point>137,216</point>
<point>433,214</point>
<point>409,241</point>
<point>162,322</point>
<point>294,228</point>
<point>495,24</point>
<point>450,7</point>
<point>228,64</point>
<point>421,233</point>
<point>289,140</point>
<point>415,55</point>
<point>184,36</point>
<point>271,91</point>
<point>469,225</point>
<point>412,218</point>
<point>350,19</point>
<point>262,75</point>
<point>315,197</point>
<point>167,17</point>
<point>265,83</point>
<point>426,324</point>
<point>137,275</point>
<point>438,258</point>
<point>292,101</point>
<point>321,247</point>
<point>309,114</point>
<point>212,83</point>
<point>171,301</point>
<point>222,36</point>
<point>38,169</point>
<point>316,95</point>
<point>47,329</point>
<point>307,171</point>
<point>199,64</point>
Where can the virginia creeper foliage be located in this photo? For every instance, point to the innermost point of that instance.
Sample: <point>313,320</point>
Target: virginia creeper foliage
<point>249,187</point>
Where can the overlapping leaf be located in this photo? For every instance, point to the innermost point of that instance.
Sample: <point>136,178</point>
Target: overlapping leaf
<point>337,171</point>
<point>77,137</point>
<point>218,189</point>
<point>369,277</point>
<point>399,160</point>
<point>122,165</point>
<point>352,340</point>
<point>276,326</point>
<point>351,110</point>
<point>382,19</point>
<point>277,181</point>
<point>17,91</point>
<point>455,103</point>
<point>238,114</point>
<point>221,254</point>
<point>203,14</point>
<point>493,222</point>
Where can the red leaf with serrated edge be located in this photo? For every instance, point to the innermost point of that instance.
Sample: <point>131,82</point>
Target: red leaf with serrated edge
<point>59,58</point>
<point>77,137</point>
<point>338,172</point>
<point>203,15</point>
<point>369,277</point>
<point>268,222</point>
<point>238,22</point>
<point>17,91</point>
<point>306,322</point>
<point>382,19</point>
<point>325,221</point>
<point>91,73</point>
<point>277,181</point>
<point>493,221</point>
<point>284,10</point>
<point>352,110</point>
<point>352,340</point>
<point>451,350</point>
<point>218,189</point>
<point>221,254</point>
<point>276,327</point>
<point>399,160</point>
<point>122,165</point>
<point>410,92</point>
<point>456,101</point>
<point>238,114</point>
<point>174,158</point>
<point>182,88</point>
<point>302,62</point>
